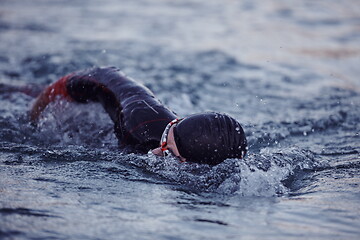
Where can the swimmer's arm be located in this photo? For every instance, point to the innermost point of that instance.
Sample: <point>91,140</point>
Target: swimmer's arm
<point>81,87</point>
<point>57,89</point>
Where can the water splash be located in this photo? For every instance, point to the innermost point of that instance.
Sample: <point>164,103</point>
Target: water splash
<point>266,174</point>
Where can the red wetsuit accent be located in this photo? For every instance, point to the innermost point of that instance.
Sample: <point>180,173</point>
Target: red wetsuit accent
<point>58,88</point>
<point>139,117</point>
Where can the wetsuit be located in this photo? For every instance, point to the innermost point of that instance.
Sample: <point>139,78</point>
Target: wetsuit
<point>139,118</point>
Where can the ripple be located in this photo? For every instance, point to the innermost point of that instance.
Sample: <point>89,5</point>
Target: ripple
<point>25,212</point>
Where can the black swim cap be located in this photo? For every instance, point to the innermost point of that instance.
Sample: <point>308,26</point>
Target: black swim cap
<point>210,138</point>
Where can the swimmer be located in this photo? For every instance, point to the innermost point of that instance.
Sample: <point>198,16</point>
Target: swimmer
<point>142,122</point>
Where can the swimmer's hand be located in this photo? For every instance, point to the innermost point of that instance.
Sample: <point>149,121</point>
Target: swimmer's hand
<point>52,92</point>
<point>38,107</point>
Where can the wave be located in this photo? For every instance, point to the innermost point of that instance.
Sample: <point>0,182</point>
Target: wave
<point>268,173</point>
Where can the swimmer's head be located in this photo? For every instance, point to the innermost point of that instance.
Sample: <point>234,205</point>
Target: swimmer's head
<point>209,138</point>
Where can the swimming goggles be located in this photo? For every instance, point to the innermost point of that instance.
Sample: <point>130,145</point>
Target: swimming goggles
<point>163,141</point>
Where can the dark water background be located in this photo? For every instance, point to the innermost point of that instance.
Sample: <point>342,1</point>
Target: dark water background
<point>289,71</point>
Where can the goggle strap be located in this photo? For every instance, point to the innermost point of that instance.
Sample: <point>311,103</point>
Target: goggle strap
<point>166,132</point>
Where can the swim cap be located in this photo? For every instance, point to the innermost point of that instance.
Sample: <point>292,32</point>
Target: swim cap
<point>210,138</point>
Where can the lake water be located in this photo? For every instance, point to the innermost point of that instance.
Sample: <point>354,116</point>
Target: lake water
<point>288,71</point>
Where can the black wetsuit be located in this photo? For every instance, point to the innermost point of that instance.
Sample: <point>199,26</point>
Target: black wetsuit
<point>138,116</point>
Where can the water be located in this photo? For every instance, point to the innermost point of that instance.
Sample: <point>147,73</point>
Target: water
<point>287,71</point>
